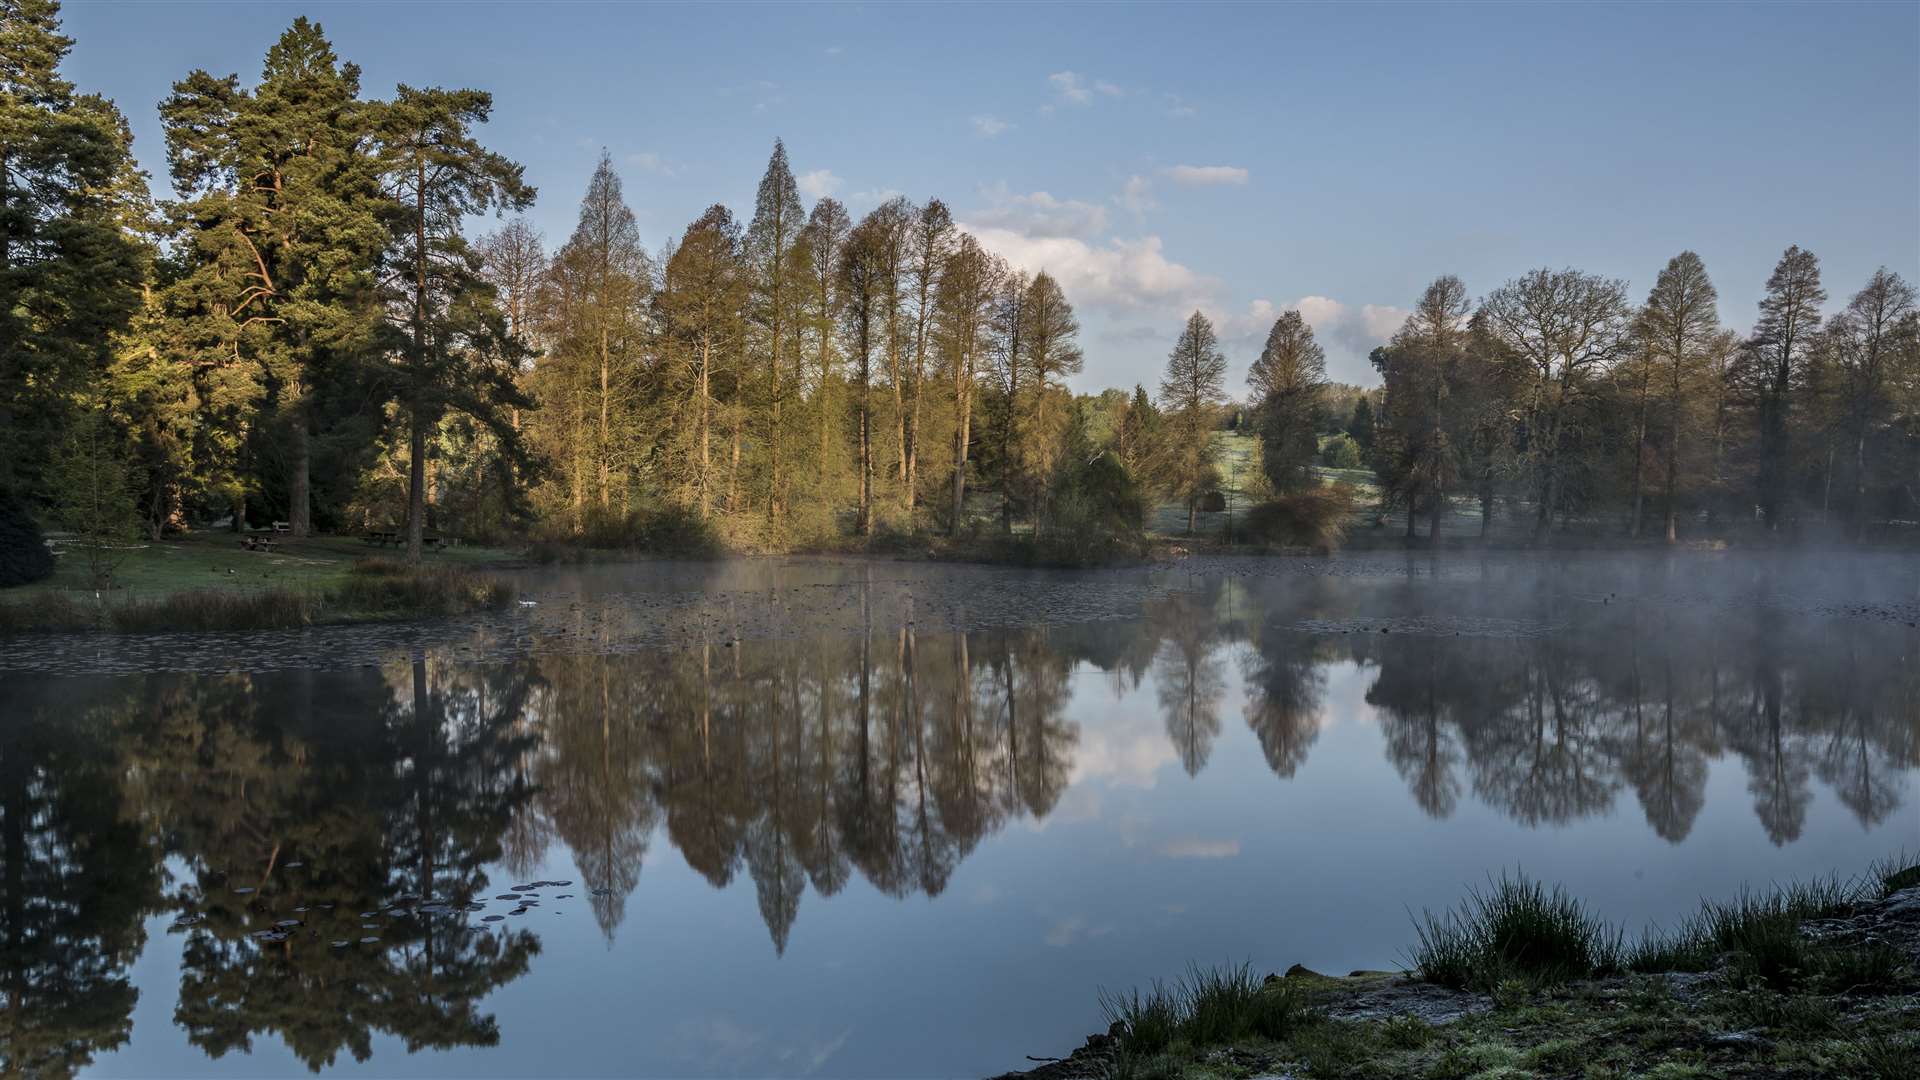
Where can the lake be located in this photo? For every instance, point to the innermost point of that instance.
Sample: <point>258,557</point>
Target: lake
<point>848,818</point>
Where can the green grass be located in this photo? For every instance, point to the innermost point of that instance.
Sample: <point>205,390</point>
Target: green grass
<point>215,561</point>
<point>205,584</point>
<point>1516,929</point>
<point>1207,1007</point>
<point>1760,931</point>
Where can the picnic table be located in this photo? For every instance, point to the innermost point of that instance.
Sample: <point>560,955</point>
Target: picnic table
<point>259,541</point>
<point>397,537</point>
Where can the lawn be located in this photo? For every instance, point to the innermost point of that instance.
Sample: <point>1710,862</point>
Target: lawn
<point>215,560</point>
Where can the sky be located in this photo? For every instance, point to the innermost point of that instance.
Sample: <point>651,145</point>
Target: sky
<point>1236,159</point>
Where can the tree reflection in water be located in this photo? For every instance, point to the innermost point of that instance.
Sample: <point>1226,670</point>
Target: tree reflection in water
<point>798,763</point>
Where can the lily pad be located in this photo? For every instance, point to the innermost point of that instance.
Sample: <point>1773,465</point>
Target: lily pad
<point>369,940</point>
<point>492,918</point>
<point>341,943</point>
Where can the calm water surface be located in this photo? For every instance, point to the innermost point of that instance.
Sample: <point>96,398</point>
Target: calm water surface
<point>849,819</point>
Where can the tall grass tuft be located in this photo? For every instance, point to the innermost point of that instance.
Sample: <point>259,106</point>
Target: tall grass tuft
<point>1207,1007</point>
<point>381,586</point>
<point>1516,929</point>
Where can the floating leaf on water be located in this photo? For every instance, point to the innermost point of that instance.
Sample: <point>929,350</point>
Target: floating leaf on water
<point>518,911</point>
<point>341,943</point>
<point>369,914</point>
<point>559,884</point>
<point>370,926</point>
<point>508,896</point>
<point>287,924</point>
<point>473,905</point>
<point>243,891</point>
<point>295,865</point>
<point>491,918</point>
<point>523,888</point>
<point>564,896</point>
<point>369,940</point>
<point>299,910</point>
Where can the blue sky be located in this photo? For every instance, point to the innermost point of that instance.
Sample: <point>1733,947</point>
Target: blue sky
<point>1242,159</point>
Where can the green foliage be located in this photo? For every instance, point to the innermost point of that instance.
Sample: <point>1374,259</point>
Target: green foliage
<point>23,552</point>
<point>1340,452</point>
<point>1517,928</point>
<point>92,495</point>
<point>1316,518</point>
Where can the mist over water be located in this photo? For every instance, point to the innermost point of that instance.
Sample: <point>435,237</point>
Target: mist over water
<point>880,819</point>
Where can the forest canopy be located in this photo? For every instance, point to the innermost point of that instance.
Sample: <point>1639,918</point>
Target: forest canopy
<point>336,318</point>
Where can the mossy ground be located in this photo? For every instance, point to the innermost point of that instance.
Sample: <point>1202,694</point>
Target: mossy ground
<point>1632,1027</point>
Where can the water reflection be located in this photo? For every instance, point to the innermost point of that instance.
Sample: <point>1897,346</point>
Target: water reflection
<point>239,801</point>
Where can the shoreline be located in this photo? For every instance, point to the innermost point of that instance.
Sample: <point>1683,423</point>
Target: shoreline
<point>1821,979</point>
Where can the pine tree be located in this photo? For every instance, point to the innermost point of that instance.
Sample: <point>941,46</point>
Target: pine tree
<point>931,245</point>
<point>1874,335</point>
<point>1050,351</point>
<point>69,274</point>
<point>281,212</point>
<point>822,242</point>
<point>1289,382</point>
<point>778,218</point>
<point>457,356</point>
<point>1191,392</point>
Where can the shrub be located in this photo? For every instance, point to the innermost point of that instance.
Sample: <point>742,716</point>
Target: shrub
<point>1340,452</point>
<point>381,587</point>
<point>665,530</point>
<point>23,552</point>
<point>1516,929</point>
<point>1311,517</point>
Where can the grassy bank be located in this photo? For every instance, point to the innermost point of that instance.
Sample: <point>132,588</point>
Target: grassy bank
<point>1818,979</point>
<point>209,583</point>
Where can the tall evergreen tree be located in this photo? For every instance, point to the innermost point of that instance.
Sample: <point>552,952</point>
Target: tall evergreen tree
<point>931,246</point>
<point>703,302</point>
<point>456,354</point>
<point>822,241</point>
<point>1874,335</point>
<point>1191,392</point>
<point>865,273</point>
<point>963,329</point>
<point>281,212</point>
<point>69,272</point>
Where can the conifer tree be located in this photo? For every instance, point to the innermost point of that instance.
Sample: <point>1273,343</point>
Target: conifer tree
<point>1191,392</point>
<point>1678,324</point>
<point>1789,316</point>
<point>457,355</point>
<point>281,212</point>
<point>1289,382</point>
<point>69,272</point>
<point>703,305</point>
<point>778,217</point>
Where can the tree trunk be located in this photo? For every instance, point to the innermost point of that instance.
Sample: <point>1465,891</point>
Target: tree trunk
<point>963,402</point>
<point>1673,480</point>
<point>300,511</point>
<point>416,486</point>
<point>706,434</point>
<point>605,441</point>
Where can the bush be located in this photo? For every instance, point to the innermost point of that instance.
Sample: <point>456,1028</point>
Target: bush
<point>215,609</point>
<point>1313,517</point>
<point>665,530</point>
<point>1516,929</point>
<point>23,551</point>
<point>1340,452</point>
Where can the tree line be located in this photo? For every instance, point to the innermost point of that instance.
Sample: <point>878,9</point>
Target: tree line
<point>309,330</point>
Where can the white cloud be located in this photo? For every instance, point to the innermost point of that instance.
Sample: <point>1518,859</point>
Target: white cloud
<point>1109,89</point>
<point>835,50</point>
<point>1177,107</point>
<point>1355,330</point>
<point>1039,214</point>
<point>1137,194</point>
<point>989,126</point>
<point>818,184</point>
<point>648,161</point>
<point>1122,275</point>
<point>1207,175</point>
<point>1071,88</point>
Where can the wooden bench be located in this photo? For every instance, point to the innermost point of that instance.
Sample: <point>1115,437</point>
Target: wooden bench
<point>281,526</point>
<point>383,537</point>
